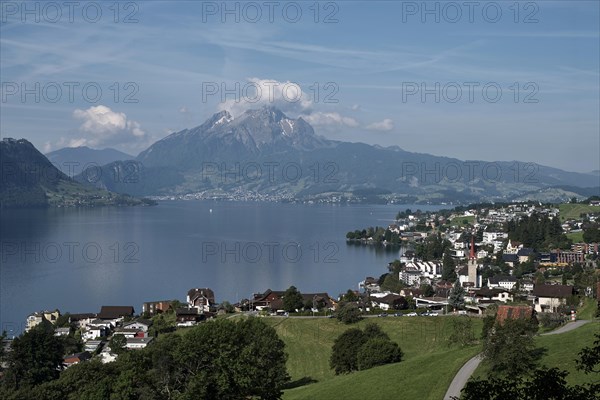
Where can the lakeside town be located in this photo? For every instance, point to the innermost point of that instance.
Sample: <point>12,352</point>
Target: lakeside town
<point>461,261</point>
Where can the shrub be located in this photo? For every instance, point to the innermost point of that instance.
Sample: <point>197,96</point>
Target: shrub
<point>378,351</point>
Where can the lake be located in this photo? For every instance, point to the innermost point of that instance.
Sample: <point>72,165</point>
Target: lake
<point>77,260</point>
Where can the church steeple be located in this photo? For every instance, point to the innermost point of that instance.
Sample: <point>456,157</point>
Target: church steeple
<point>472,253</point>
<point>472,264</point>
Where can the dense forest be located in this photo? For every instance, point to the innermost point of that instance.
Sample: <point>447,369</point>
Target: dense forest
<point>215,360</point>
<point>539,232</point>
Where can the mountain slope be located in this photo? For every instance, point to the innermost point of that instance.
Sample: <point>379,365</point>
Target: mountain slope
<point>264,151</point>
<point>76,159</point>
<point>29,179</point>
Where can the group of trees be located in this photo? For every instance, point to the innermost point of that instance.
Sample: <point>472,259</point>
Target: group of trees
<point>591,234</point>
<point>216,360</point>
<point>357,349</point>
<point>511,354</point>
<point>432,248</point>
<point>377,234</point>
<point>538,231</point>
<point>534,383</point>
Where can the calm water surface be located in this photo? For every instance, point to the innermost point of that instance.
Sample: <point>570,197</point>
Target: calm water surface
<point>79,259</point>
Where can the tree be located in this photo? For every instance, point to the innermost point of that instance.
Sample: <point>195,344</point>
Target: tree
<point>545,384</point>
<point>457,296</point>
<point>36,356</point>
<point>292,300</point>
<point>358,350</point>
<point>427,290</point>
<point>349,313</point>
<point>448,268</point>
<point>117,344</point>
<point>589,357</point>
<point>350,296</point>
<point>372,330</point>
<point>344,353</point>
<point>509,347</point>
<point>378,351</point>
<point>228,307</point>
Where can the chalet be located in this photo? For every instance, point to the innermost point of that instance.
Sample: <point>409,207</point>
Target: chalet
<point>201,298</point>
<point>494,294</point>
<point>389,301</point>
<point>142,325</point>
<point>94,331</point>
<point>76,358</point>
<point>319,300</point>
<point>81,320</point>
<point>548,298</point>
<point>264,300</point>
<point>188,316</point>
<point>115,312</point>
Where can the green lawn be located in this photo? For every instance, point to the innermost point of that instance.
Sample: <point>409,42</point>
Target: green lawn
<point>572,211</point>
<point>576,237</point>
<point>427,358</point>
<point>561,351</point>
<point>422,377</point>
<point>588,310</point>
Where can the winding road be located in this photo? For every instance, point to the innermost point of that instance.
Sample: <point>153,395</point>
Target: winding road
<point>463,374</point>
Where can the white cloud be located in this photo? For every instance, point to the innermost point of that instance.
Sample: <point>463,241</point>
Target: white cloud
<point>102,127</point>
<point>382,126</point>
<point>255,93</point>
<point>330,119</point>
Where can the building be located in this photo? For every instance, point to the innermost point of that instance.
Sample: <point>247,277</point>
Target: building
<point>76,358</point>
<point>504,282</point>
<point>514,312</point>
<point>156,307</point>
<point>115,312</point>
<point>548,298</point>
<point>569,257</point>
<point>201,298</point>
<point>36,318</point>
<point>416,273</point>
<point>138,342</point>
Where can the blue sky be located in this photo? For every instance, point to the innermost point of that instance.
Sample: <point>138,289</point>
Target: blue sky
<point>383,63</point>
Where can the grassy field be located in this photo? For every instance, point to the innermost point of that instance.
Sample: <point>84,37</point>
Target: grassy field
<point>588,310</point>
<point>576,237</point>
<point>572,211</point>
<point>425,373</point>
<point>561,351</point>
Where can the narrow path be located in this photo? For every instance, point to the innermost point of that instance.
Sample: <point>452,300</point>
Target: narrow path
<point>567,327</point>
<point>463,375</point>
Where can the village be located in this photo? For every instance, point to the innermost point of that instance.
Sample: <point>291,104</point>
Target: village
<point>467,255</point>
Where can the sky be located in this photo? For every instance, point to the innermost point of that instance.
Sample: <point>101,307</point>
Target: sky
<point>480,80</point>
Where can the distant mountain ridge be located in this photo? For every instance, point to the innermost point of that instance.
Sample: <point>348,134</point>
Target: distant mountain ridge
<point>73,160</point>
<point>264,151</point>
<point>29,179</point>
